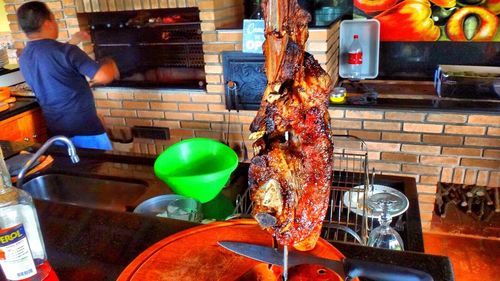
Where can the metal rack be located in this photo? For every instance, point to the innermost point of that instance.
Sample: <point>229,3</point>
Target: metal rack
<point>343,222</point>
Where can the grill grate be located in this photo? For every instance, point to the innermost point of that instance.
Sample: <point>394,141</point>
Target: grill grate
<point>146,42</point>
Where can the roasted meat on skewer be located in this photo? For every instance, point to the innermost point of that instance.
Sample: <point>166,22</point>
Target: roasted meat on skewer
<point>291,173</point>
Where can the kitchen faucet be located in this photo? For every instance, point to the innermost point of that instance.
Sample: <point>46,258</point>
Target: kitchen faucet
<point>71,152</point>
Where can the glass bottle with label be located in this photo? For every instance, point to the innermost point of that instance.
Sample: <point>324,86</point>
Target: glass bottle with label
<point>22,252</point>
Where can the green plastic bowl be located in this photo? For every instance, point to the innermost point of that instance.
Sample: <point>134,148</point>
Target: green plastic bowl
<point>197,168</point>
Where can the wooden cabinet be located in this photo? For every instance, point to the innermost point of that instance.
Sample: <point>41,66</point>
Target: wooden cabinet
<point>28,126</point>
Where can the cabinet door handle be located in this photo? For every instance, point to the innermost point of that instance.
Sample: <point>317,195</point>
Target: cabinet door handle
<point>26,139</point>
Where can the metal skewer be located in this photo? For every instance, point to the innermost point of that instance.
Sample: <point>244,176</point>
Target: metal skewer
<point>285,263</point>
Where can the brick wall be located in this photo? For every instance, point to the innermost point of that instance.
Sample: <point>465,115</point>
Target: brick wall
<point>428,146</point>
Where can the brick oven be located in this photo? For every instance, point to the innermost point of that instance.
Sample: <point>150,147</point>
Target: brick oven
<point>160,48</point>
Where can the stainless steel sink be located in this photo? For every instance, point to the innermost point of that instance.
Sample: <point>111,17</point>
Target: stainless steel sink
<point>95,192</point>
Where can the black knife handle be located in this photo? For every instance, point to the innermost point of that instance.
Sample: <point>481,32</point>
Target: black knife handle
<point>383,272</point>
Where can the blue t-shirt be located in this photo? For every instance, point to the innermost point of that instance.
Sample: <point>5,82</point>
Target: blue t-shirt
<point>56,72</point>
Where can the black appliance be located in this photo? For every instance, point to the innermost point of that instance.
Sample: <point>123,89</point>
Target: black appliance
<point>245,80</point>
<point>152,48</point>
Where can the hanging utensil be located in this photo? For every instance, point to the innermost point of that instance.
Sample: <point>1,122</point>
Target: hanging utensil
<point>345,268</point>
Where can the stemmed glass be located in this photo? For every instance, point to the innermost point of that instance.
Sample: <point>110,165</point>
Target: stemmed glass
<point>384,236</point>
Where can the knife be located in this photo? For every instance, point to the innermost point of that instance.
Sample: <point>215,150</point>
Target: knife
<point>346,268</point>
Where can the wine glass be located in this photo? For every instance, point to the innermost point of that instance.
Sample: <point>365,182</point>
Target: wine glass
<point>384,236</point>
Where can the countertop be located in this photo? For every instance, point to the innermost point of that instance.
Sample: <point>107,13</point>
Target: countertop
<point>93,244</point>
<point>21,105</point>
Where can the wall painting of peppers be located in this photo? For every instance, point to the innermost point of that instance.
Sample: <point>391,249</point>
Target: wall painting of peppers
<point>433,20</point>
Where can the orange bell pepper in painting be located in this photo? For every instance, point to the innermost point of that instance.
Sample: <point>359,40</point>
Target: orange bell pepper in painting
<point>445,3</point>
<point>493,6</point>
<point>472,23</point>
<point>409,20</point>
<point>371,6</point>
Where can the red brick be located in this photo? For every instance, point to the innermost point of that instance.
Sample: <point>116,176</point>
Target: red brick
<point>405,116</point>
<point>179,115</point>
<point>442,139</point>
<point>425,149</point>
<point>108,103</point>
<point>447,118</point>
<point>346,124</point>
<point>483,163</point>
<point>491,153</point>
<point>147,96</point>
<point>493,131</point>
<point>464,130</point>
<point>103,112</point>
<point>424,128</point>
<point>399,157</point>
<point>421,169</point>
<point>166,124</point>
<point>164,106</point>
<point>494,179</point>
<point>382,146</point>
<point>138,122</point>
<point>401,137</point>
<point>215,88</point>
<point>427,198</point>
<point>447,175</point>
<point>482,178</point>
<point>209,58</point>
<point>136,104</point>
<point>470,176</point>
<point>213,69</point>
<point>426,179</point>
<point>461,151</point>
<point>439,160</point>
<point>182,133</point>
<point>339,132</point>
<point>336,113</point>
<point>213,79</point>
<point>458,175</point>
<point>493,142</point>
<point>373,156</point>
<point>193,107</point>
<point>217,108</point>
<point>365,135</point>
<point>208,117</point>
<point>383,126</point>
<point>100,95</point>
<point>171,97</point>
<point>381,166</point>
<point>484,119</point>
<point>363,114</point>
<point>150,114</point>
<point>241,118</point>
<point>206,98</point>
<point>123,113</point>
<point>195,125</point>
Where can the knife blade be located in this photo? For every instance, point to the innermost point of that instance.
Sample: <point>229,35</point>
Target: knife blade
<point>347,268</point>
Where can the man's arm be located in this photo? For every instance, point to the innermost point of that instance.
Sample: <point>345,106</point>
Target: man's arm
<point>108,71</point>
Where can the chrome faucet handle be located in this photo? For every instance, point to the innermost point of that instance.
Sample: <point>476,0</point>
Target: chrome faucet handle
<point>71,153</point>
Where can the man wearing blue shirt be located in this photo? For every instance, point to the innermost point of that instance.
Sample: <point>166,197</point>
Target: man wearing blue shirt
<point>57,74</point>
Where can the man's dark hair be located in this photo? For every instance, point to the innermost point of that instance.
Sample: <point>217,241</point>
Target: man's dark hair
<point>32,15</point>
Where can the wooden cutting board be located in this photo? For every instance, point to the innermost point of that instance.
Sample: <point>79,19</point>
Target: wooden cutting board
<point>193,254</point>
<point>4,106</point>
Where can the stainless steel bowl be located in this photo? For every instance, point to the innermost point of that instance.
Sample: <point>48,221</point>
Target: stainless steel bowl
<point>156,205</point>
